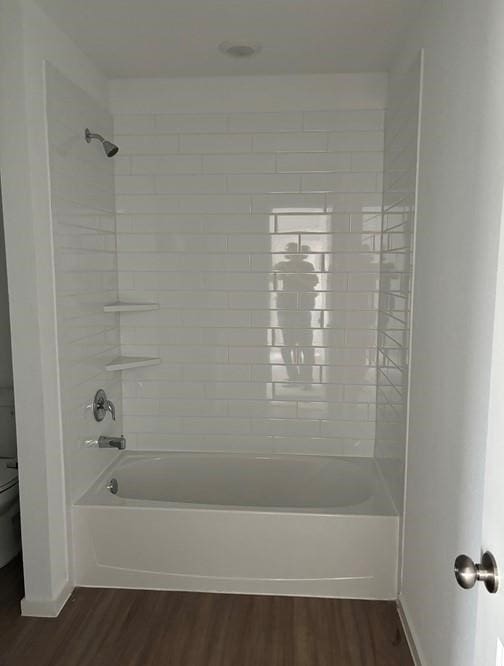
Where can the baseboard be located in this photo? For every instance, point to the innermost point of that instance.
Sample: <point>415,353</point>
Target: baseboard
<point>410,635</point>
<point>48,607</point>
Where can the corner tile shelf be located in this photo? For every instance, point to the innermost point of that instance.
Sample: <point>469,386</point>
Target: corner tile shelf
<point>127,362</point>
<point>119,306</point>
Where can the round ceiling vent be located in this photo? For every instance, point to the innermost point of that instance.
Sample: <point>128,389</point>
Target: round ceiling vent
<point>239,50</point>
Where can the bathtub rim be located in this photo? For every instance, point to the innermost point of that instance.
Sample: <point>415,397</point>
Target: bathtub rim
<point>97,496</point>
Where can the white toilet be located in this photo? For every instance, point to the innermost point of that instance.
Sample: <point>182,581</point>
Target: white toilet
<point>10,538</point>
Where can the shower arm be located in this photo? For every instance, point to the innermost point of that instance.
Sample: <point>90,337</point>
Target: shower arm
<point>93,135</point>
<point>110,148</point>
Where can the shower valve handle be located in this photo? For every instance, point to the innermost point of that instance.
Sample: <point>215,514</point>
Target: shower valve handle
<point>102,405</point>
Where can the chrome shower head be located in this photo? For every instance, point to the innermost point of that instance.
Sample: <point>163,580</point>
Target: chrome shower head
<point>110,148</point>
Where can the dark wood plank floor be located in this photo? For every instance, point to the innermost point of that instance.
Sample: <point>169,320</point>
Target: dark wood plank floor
<point>141,628</point>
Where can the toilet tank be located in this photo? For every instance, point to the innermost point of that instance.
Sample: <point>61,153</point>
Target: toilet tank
<point>7,424</point>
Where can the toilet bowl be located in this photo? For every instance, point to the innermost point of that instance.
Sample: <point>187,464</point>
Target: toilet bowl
<point>10,537</point>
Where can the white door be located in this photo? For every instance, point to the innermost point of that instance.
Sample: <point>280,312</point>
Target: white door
<point>490,618</point>
<point>488,191</point>
<point>490,625</point>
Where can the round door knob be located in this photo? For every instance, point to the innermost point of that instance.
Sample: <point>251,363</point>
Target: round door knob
<point>468,573</point>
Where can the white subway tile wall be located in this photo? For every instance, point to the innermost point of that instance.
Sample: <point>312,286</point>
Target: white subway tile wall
<point>259,235</point>
<point>400,173</point>
<point>82,197</point>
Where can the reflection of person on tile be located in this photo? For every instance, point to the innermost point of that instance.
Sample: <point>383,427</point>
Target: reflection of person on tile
<point>295,302</point>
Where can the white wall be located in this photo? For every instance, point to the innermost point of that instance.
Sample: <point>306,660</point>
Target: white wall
<point>399,200</point>
<point>207,202</point>
<point>455,278</point>
<point>83,206</point>
<point>28,39</point>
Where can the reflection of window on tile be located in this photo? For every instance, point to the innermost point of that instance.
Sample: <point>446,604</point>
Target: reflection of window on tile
<point>299,245</point>
<point>323,305</point>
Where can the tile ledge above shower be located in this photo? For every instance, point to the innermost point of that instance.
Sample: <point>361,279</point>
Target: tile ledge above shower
<point>128,362</point>
<point>120,306</point>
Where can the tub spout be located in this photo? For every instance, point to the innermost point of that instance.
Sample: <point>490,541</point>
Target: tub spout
<point>105,442</point>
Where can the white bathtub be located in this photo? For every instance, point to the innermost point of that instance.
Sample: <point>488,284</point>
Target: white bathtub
<point>285,524</point>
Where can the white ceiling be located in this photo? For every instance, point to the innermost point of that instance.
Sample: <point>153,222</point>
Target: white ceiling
<point>158,38</point>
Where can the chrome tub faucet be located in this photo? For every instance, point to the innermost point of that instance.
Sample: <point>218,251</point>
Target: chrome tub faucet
<point>106,442</point>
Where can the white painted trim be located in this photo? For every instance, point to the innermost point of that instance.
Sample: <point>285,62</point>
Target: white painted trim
<point>410,634</point>
<point>28,242</point>
<point>48,607</point>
